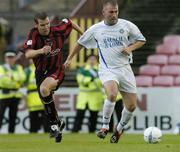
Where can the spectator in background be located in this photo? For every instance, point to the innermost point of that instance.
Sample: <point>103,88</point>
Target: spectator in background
<point>34,104</point>
<point>12,77</point>
<point>5,36</point>
<point>90,94</point>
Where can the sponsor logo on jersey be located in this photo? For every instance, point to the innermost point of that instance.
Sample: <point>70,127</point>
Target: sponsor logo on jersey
<point>121,31</point>
<point>53,52</point>
<point>113,42</point>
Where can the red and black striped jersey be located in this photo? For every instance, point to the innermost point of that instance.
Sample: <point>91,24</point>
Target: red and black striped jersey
<point>58,34</point>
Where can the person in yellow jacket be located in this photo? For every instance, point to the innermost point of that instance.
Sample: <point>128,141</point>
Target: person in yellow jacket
<point>12,77</point>
<point>90,94</point>
<point>36,109</point>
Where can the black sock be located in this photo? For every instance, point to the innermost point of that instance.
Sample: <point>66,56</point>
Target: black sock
<point>50,108</point>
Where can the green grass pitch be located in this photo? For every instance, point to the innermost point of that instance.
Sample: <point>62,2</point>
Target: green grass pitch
<point>85,143</point>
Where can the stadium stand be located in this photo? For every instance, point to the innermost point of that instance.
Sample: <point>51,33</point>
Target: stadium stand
<point>163,23</point>
<point>172,39</point>
<point>149,70</point>
<point>157,59</point>
<point>163,81</point>
<point>164,66</point>
<point>174,59</point>
<point>178,49</point>
<point>144,81</point>
<point>177,81</point>
<point>173,70</point>
<point>166,49</point>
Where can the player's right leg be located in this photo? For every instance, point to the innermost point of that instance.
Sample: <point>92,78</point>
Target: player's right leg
<point>129,106</point>
<point>56,130</point>
<point>111,88</point>
<point>56,125</point>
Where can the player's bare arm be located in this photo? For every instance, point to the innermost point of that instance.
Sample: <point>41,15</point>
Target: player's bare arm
<point>132,47</point>
<point>76,27</point>
<point>75,51</point>
<point>34,53</point>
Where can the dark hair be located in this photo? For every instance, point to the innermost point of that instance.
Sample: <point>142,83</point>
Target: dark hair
<point>112,2</point>
<point>41,15</point>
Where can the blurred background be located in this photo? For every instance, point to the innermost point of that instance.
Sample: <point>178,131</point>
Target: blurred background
<point>156,65</point>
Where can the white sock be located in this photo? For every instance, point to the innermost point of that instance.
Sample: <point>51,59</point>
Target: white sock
<point>126,116</point>
<point>108,109</point>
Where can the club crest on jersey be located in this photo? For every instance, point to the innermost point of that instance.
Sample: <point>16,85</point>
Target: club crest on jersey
<point>29,42</point>
<point>65,20</point>
<point>121,31</point>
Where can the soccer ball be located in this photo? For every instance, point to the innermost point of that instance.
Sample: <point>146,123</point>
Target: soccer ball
<point>177,129</point>
<point>152,135</point>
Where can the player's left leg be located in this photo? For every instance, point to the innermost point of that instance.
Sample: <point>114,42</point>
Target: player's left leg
<point>129,100</point>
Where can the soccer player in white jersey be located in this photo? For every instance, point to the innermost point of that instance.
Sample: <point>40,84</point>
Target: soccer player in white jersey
<point>115,39</point>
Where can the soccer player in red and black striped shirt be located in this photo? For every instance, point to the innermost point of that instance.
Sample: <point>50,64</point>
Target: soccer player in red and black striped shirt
<point>44,46</point>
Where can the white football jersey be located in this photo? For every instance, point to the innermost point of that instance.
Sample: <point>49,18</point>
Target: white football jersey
<point>110,40</point>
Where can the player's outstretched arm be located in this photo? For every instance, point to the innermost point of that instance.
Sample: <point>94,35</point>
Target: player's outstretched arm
<point>76,27</point>
<point>76,50</point>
